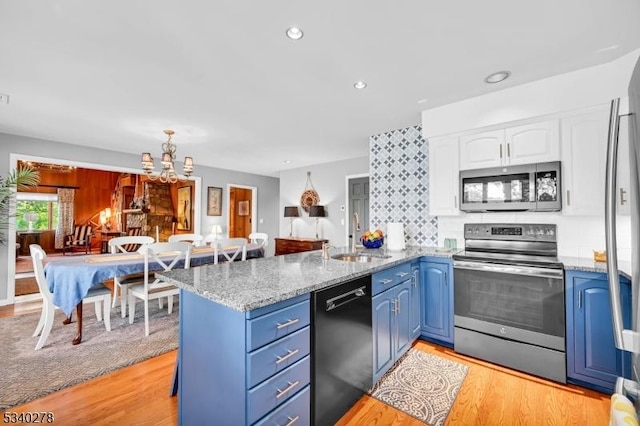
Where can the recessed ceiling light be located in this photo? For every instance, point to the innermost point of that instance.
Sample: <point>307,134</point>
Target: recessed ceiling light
<point>497,77</point>
<point>294,33</point>
<point>422,101</point>
<point>359,84</point>
<point>287,161</point>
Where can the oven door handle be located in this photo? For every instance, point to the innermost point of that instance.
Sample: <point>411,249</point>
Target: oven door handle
<point>509,269</point>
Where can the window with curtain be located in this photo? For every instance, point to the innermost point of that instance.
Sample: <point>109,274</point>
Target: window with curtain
<point>40,209</point>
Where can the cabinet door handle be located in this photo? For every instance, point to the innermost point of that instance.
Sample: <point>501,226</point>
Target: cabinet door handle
<point>402,274</point>
<point>455,201</point>
<point>397,306</point>
<point>288,323</point>
<point>289,354</point>
<point>508,150</point>
<point>394,307</point>
<point>622,194</point>
<point>580,299</point>
<point>500,150</point>
<point>446,281</point>
<point>568,197</point>
<point>292,420</point>
<point>287,389</point>
<point>386,281</point>
<point>415,279</point>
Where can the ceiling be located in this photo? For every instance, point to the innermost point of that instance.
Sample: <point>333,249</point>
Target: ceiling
<point>240,95</point>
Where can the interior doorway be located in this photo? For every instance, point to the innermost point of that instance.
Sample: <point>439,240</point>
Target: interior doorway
<point>242,210</point>
<point>357,202</point>
<point>14,271</point>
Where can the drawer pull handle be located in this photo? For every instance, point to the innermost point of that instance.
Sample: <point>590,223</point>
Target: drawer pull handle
<point>292,420</point>
<point>285,391</point>
<point>402,274</point>
<point>288,323</point>
<point>289,354</point>
<point>386,281</point>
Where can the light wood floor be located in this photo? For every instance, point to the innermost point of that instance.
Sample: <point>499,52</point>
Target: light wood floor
<point>490,395</point>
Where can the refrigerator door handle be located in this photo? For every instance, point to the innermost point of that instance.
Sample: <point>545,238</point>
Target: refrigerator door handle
<point>624,339</point>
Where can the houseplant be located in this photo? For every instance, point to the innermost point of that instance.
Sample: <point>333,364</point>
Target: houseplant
<point>20,178</point>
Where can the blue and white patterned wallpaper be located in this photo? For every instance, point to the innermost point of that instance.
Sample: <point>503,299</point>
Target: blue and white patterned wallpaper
<point>399,179</point>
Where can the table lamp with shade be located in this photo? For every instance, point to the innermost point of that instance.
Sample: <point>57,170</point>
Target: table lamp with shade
<point>216,230</point>
<point>317,212</point>
<point>30,217</point>
<point>291,212</point>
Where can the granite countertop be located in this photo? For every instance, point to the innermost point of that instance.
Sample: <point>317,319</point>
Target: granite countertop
<point>588,265</point>
<point>255,283</point>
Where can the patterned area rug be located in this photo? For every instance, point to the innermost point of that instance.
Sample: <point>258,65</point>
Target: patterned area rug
<point>421,385</point>
<point>28,374</point>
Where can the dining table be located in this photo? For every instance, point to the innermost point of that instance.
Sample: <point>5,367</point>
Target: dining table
<point>70,278</point>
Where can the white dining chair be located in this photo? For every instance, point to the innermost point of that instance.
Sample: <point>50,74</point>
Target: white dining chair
<point>126,244</point>
<point>158,257</point>
<point>231,248</point>
<point>261,238</point>
<point>101,296</point>
<point>194,239</point>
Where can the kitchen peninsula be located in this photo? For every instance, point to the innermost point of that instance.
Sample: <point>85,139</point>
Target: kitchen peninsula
<point>246,324</point>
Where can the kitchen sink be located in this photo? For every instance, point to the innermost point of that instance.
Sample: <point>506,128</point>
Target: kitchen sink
<point>358,257</point>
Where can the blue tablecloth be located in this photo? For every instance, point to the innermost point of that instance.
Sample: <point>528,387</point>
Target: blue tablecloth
<point>70,278</point>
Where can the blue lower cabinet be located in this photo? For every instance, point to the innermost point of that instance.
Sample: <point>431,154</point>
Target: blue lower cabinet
<point>592,358</point>
<point>296,411</point>
<point>415,300</point>
<point>244,368</point>
<point>392,335</point>
<point>436,280</point>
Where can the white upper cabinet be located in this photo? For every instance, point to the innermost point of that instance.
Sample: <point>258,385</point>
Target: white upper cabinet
<point>533,143</point>
<point>529,143</point>
<point>584,150</point>
<point>443,176</point>
<point>481,150</point>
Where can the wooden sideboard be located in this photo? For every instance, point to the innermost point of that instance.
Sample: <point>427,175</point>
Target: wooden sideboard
<point>297,245</point>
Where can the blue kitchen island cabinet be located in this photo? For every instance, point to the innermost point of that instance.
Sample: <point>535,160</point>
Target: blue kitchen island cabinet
<point>592,358</point>
<point>391,310</point>
<point>436,280</point>
<point>244,368</point>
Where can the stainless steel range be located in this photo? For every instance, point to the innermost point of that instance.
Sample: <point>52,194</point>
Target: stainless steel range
<point>509,298</point>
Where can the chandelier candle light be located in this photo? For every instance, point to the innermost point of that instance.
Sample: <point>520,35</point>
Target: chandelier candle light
<point>168,173</point>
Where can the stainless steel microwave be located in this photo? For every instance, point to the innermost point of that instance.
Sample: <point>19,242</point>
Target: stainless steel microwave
<point>525,187</point>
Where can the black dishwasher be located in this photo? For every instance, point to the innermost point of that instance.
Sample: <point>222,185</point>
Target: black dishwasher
<point>342,348</point>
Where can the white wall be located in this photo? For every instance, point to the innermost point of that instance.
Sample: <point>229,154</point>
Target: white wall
<point>564,92</point>
<point>329,181</point>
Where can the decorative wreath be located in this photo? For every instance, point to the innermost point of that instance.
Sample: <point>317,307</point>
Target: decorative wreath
<point>309,196</point>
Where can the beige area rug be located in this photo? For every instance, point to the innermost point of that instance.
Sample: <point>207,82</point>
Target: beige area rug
<point>28,374</point>
<point>421,385</point>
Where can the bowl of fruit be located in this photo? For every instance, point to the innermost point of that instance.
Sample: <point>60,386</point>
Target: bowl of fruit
<point>372,239</point>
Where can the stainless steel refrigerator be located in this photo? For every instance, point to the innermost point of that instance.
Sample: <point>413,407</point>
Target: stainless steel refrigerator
<point>628,340</point>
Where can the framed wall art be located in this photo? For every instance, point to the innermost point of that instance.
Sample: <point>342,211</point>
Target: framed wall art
<point>243,208</point>
<point>214,201</point>
<point>184,208</point>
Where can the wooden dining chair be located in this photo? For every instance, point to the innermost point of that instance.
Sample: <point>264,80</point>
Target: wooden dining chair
<point>158,257</point>
<point>261,238</point>
<point>230,248</point>
<point>101,296</point>
<point>194,239</point>
<point>126,244</point>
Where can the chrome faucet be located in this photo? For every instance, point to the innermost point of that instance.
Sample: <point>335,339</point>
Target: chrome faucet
<point>356,227</point>
<point>325,250</point>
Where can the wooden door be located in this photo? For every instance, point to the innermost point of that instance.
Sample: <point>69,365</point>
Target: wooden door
<point>240,214</point>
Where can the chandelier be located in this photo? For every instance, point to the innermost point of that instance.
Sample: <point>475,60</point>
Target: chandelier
<point>168,173</point>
